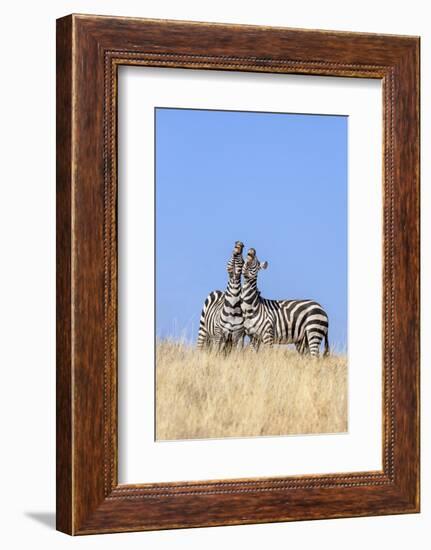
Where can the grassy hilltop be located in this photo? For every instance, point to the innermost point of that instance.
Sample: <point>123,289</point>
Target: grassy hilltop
<point>272,392</point>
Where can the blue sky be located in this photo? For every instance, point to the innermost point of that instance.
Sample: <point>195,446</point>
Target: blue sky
<point>277,182</point>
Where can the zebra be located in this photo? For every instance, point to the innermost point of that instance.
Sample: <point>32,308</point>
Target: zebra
<point>300,322</point>
<point>221,325</point>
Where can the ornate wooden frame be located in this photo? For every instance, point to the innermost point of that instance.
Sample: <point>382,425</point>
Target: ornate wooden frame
<point>89,51</point>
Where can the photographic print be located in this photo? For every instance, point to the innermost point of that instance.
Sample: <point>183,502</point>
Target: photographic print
<point>251,274</point>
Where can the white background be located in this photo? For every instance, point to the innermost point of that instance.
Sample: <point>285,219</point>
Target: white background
<point>141,458</point>
<point>27,218</point>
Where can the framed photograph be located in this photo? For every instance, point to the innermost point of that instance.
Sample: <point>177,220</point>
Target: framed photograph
<point>237,274</point>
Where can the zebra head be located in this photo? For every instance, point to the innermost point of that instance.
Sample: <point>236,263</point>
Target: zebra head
<point>235,262</point>
<point>252,266</point>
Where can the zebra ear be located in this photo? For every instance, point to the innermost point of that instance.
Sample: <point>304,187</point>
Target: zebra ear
<point>263,265</point>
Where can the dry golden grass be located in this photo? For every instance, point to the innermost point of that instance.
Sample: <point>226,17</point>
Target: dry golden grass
<point>273,392</point>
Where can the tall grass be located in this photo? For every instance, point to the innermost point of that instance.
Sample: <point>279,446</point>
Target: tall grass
<point>273,392</point>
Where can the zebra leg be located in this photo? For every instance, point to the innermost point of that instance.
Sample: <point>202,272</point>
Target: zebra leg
<point>227,345</point>
<point>218,344</point>
<point>202,341</point>
<point>238,341</point>
<point>254,343</point>
<point>314,339</point>
<point>268,338</point>
<point>222,342</point>
<point>240,344</point>
<point>301,346</point>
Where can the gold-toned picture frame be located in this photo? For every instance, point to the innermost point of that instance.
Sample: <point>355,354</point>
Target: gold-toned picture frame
<point>89,51</point>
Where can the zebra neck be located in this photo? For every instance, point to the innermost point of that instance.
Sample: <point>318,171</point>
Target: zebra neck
<point>233,289</point>
<point>250,296</point>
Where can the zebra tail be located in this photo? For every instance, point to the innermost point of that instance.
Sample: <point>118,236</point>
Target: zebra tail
<point>326,352</point>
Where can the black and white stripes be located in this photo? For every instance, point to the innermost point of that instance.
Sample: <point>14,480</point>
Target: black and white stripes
<point>300,322</point>
<point>221,323</point>
<point>241,311</point>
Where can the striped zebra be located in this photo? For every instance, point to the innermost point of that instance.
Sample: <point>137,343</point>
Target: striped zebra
<point>221,326</point>
<point>300,322</point>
